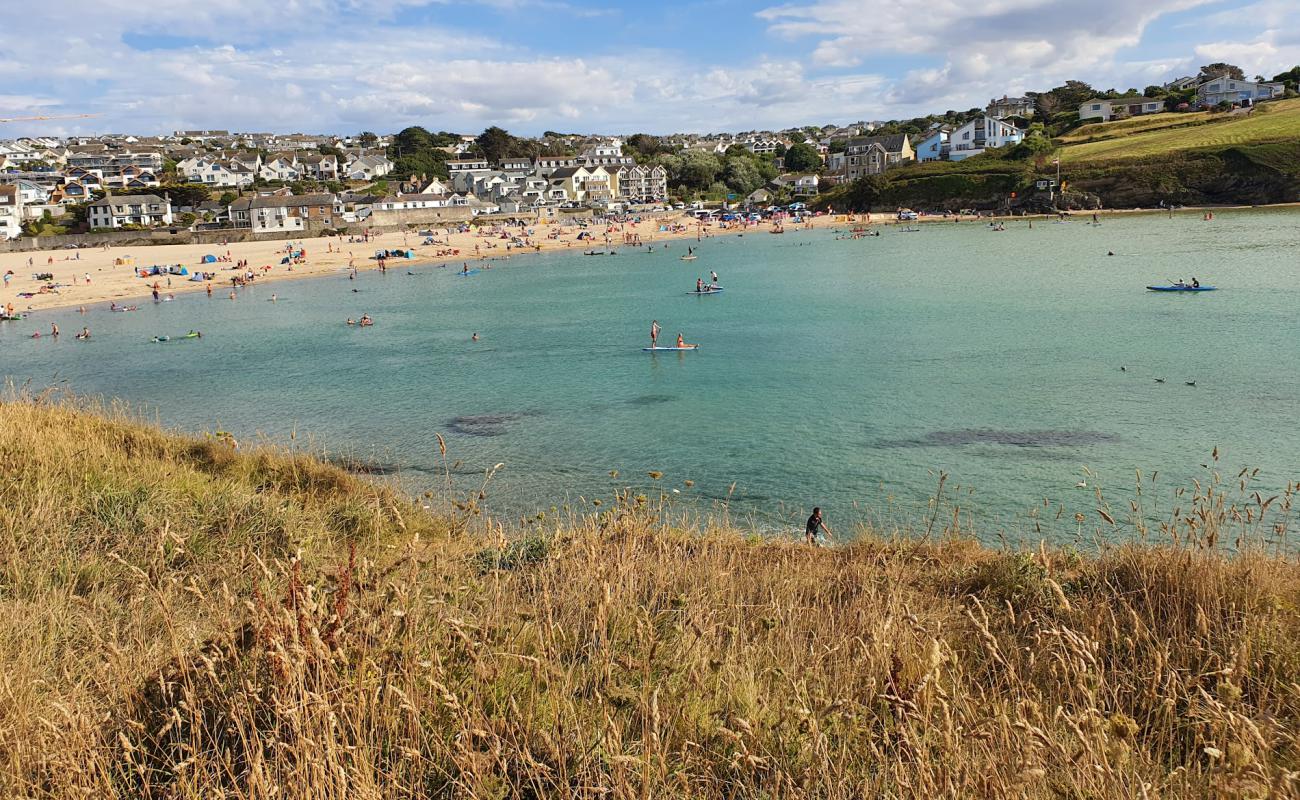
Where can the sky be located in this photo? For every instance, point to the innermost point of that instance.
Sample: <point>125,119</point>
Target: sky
<point>656,66</point>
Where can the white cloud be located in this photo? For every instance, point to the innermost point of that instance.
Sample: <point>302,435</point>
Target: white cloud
<point>979,50</point>
<point>346,65</point>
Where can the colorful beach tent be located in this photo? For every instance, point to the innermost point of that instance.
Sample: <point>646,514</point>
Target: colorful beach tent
<point>209,259</point>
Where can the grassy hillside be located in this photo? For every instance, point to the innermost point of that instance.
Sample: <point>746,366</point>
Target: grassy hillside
<point>1162,134</point>
<point>1097,131</point>
<point>179,619</point>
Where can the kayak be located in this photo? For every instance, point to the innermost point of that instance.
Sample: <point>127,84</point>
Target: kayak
<point>194,335</point>
<point>706,291</point>
<point>1182,288</point>
<point>657,349</point>
<point>162,338</point>
<point>467,274</point>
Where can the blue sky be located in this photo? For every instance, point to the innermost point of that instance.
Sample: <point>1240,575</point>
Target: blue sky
<point>584,65</point>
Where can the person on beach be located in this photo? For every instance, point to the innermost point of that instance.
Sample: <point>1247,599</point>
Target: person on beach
<point>654,333</point>
<point>815,525</point>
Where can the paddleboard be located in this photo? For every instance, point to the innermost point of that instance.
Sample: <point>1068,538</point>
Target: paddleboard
<point>657,349</point>
<point>467,274</point>
<point>707,291</point>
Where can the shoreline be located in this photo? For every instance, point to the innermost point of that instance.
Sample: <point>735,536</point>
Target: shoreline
<point>112,282</point>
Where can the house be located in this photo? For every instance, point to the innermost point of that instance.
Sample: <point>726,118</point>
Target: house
<point>804,185</point>
<point>283,212</point>
<point>605,154</point>
<point>1010,107</point>
<point>545,165</point>
<point>1181,84</point>
<point>11,212</point>
<point>761,146</point>
<point>980,134</point>
<point>407,202</point>
<point>280,167</point>
<point>935,146</point>
<point>758,197</point>
<point>520,165</point>
<point>1242,93</point>
<point>465,164</point>
<point>585,184</point>
<point>212,172</point>
<point>1118,108</point>
<point>116,211</point>
<point>369,168</point>
<point>74,192</point>
<point>320,168</point>
<point>643,184</point>
<point>871,155</point>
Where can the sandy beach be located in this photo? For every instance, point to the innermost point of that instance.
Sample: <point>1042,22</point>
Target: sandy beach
<point>113,272</point>
<point>114,278</point>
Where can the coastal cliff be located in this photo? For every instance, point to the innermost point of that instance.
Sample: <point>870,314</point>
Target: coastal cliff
<point>183,618</point>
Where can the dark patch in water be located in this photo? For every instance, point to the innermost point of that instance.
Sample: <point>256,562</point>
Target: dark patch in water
<point>652,399</point>
<point>961,438</point>
<point>363,466</point>
<point>485,424</point>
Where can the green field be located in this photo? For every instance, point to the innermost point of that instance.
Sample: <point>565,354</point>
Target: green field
<point>1277,121</point>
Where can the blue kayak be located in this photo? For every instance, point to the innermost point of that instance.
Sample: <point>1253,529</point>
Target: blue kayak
<point>1176,288</point>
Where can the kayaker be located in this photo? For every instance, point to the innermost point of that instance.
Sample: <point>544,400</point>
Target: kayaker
<point>815,525</point>
<point>654,333</point>
<point>1195,283</point>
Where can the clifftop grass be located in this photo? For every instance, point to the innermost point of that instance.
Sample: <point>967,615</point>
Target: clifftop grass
<point>178,619</point>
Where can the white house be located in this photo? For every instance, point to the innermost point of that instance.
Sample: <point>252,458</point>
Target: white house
<point>115,211</point>
<point>980,134</point>
<point>279,168</point>
<point>368,168</point>
<point>1119,107</point>
<point>11,212</point>
<point>409,202</point>
<point>1230,90</point>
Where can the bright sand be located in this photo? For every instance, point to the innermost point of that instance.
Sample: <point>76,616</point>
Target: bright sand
<point>114,282</point>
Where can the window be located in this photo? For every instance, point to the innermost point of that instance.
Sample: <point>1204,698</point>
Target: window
<point>1096,106</point>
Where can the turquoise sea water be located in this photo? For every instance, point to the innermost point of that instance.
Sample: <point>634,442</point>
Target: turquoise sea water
<point>840,373</point>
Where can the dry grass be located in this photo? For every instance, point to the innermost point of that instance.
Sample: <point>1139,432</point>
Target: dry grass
<point>181,621</point>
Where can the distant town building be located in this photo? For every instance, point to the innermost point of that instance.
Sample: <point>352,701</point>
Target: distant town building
<point>1010,107</point>
<point>870,155</point>
<point>1230,90</point>
<point>116,211</point>
<point>11,212</point>
<point>981,134</point>
<point>1104,110</point>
